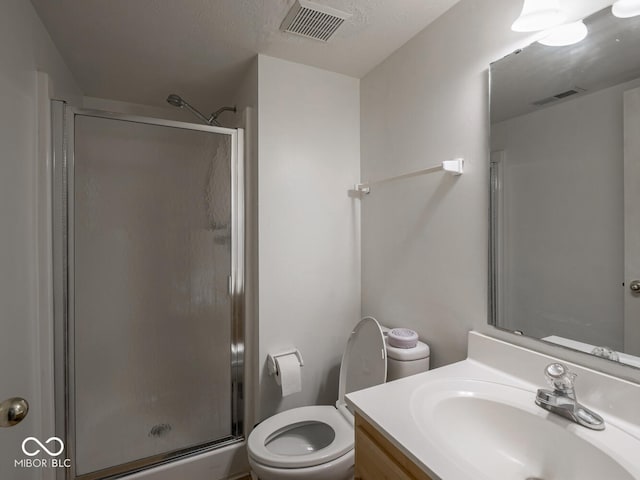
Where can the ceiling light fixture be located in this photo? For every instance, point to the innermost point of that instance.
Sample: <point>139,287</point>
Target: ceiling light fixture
<point>564,35</point>
<point>626,8</point>
<point>538,15</point>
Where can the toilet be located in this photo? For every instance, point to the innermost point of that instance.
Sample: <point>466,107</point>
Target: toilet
<point>317,442</point>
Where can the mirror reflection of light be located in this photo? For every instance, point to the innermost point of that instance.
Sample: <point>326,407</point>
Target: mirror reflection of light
<point>626,8</point>
<point>565,35</point>
<point>538,15</point>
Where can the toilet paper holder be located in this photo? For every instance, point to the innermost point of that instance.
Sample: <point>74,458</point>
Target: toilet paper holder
<point>272,367</point>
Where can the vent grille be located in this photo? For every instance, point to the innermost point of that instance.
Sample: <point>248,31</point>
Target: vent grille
<point>559,96</point>
<point>566,94</point>
<point>310,20</point>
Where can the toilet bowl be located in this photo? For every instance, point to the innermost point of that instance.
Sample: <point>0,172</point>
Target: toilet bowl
<point>317,442</point>
<point>314,443</point>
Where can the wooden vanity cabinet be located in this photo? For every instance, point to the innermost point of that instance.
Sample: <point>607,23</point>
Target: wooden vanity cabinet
<point>378,459</point>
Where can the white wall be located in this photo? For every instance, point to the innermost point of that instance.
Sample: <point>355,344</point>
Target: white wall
<point>424,248</point>
<point>25,50</point>
<point>309,239</point>
<point>564,244</point>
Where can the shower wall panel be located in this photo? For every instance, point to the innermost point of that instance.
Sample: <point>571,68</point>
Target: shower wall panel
<point>150,294</point>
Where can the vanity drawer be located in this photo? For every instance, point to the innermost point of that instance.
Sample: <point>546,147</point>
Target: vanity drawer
<point>378,459</point>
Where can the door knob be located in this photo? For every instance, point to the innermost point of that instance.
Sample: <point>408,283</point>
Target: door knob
<point>635,286</point>
<point>12,411</point>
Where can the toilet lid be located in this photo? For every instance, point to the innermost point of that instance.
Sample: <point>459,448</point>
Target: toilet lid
<point>364,362</point>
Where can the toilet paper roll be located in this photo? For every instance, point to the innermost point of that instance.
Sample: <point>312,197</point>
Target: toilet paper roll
<point>288,376</point>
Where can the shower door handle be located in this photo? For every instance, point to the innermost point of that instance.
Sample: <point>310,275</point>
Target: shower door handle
<point>13,411</point>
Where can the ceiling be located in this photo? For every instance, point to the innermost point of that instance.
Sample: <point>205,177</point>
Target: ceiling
<point>141,50</point>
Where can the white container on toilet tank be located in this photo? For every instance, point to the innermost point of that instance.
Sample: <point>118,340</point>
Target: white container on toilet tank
<point>402,362</point>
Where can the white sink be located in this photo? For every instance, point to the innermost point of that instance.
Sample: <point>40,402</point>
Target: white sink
<point>477,419</point>
<point>495,431</point>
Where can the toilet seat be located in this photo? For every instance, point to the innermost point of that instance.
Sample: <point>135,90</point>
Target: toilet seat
<point>284,422</point>
<point>280,443</point>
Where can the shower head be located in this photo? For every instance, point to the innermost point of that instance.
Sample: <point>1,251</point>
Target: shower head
<point>175,100</point>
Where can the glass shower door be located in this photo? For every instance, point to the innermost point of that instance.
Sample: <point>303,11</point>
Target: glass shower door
<point>151,256</point>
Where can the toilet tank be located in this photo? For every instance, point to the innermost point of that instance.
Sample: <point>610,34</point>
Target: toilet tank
<point>402,362</point>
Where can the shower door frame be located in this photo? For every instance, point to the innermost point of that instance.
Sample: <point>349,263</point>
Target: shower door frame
<point>63,123</point>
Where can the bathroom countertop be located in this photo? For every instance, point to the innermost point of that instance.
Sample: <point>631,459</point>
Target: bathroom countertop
<point>388,408</point>
<point>394,407</point>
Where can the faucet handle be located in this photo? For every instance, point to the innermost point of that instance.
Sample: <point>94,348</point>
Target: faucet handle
<point>559,377</point>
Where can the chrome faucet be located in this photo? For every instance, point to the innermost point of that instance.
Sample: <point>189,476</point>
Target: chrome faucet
<point>562,399</point>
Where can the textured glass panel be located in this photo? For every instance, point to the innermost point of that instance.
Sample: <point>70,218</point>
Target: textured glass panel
<point>152,252</point>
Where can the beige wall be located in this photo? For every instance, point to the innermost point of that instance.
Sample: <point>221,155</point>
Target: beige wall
<point>424,248</point>
<point>309,232</point>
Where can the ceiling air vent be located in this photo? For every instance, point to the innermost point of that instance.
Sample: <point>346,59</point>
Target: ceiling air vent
<point>559,96</point>
<point>312,20</point>
<point>566,94</point>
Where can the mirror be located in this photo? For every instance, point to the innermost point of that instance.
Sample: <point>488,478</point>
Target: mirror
<point>565,191</point>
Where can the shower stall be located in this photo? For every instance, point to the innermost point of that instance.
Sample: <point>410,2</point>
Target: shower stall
<point>148,289</point>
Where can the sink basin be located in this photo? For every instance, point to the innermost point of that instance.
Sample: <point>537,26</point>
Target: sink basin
<point>495,431</point>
